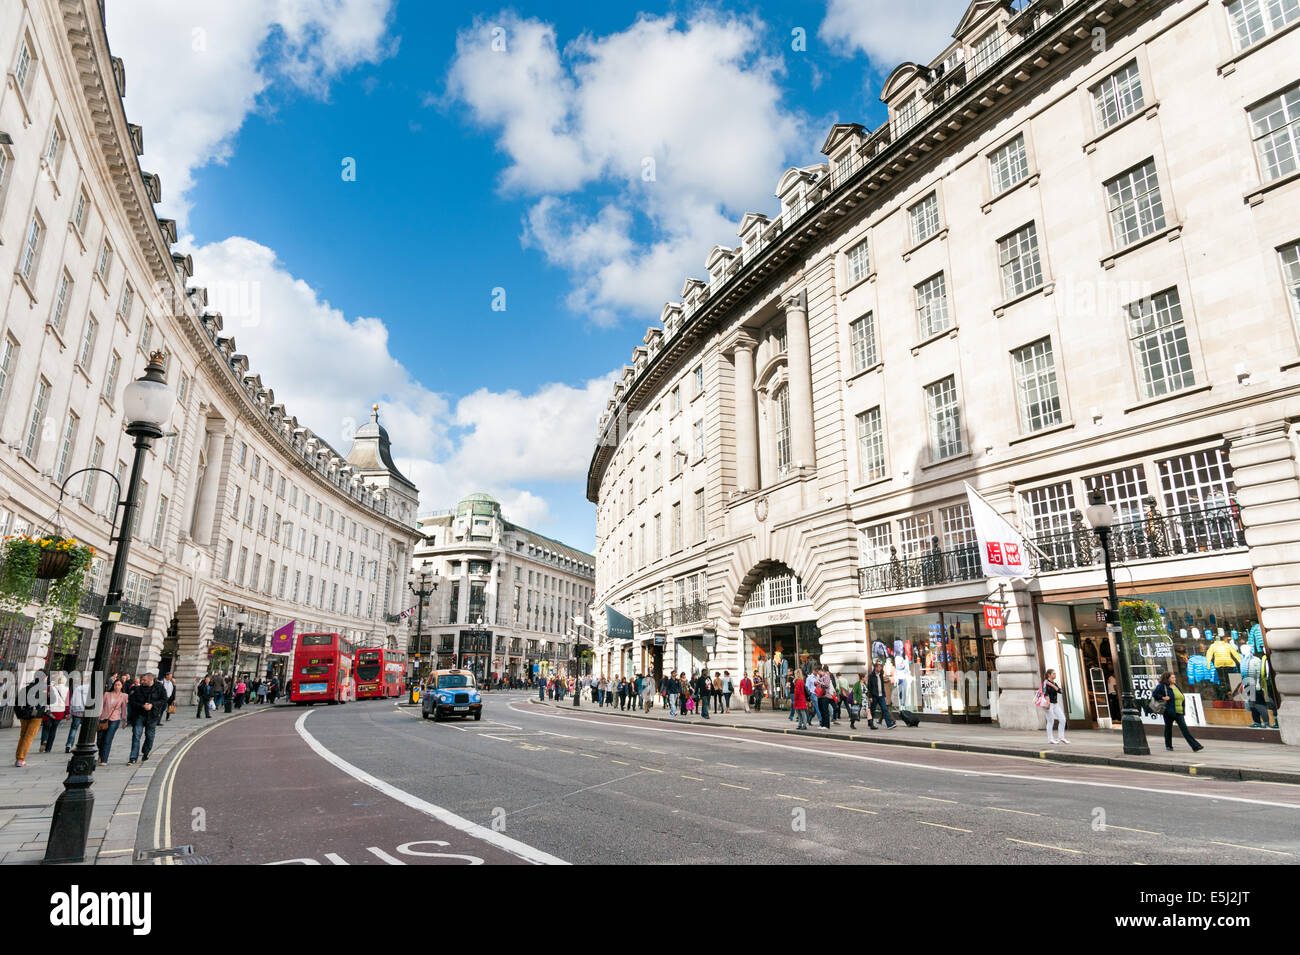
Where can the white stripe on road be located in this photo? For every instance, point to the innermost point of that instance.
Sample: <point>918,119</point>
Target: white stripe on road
<point>445,816</point>
<point>940,769</point>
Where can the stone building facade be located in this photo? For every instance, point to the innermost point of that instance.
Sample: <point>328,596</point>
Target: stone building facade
<point>509,599</point>
<point>1069,261</point>
<point>242,505</point>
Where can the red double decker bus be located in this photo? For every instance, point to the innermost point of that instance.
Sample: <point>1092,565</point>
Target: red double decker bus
<point>322,669</point>
<point>380,673</point>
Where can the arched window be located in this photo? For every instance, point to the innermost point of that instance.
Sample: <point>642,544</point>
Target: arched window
<point>781,402</point>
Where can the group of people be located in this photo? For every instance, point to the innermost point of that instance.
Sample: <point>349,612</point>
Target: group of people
<point>44,705</point>
<point>831,697</point>
<point>213,689</point>
<point>818,697</point>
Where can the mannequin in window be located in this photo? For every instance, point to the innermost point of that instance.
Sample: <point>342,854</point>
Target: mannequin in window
<point>1198,667</point>
<point>1224,659</point>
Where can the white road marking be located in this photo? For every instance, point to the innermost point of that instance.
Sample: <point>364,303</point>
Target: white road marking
<point>939,769</point>
<point>445,816</point>
<point>381,854</point>
<point>336,859</point>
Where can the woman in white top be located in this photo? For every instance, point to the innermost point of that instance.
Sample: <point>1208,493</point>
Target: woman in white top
<point>58,710</point>
<point>76,712</point>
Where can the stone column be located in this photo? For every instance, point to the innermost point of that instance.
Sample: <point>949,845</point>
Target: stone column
<point>206,508</point>
<point>746,415</point>
<point>1268,491</point>
<point>799,366</point>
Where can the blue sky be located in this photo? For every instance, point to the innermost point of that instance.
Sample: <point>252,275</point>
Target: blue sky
<point>494,149</point>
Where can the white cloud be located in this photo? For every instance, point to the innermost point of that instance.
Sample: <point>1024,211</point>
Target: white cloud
<point>682,122</point>
<point>327,369</point>
<point>195,70</point>
<point>889,32</point>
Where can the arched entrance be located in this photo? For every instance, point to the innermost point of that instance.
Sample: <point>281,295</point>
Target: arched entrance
<point>778,626</point>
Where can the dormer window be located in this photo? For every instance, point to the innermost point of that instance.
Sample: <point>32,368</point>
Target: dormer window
<point>906,115</point>
<point>987,49</point>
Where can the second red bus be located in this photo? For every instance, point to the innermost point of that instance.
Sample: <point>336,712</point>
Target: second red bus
<point>380,673</point>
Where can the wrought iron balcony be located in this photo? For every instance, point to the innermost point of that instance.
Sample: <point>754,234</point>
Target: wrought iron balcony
<point>928,570</point>
<point>690,612</point>
<point>654,620</point>
<point>1184,533</point>
<point>92,604</point>
<point>135,615</point>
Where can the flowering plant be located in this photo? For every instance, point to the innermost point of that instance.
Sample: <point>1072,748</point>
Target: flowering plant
<point>64,562</point>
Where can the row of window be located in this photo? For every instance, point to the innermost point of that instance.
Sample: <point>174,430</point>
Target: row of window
<point>352,599</point>
<point>1199,482</point>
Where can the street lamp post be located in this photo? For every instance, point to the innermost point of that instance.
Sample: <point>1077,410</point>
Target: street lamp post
<point>1100,517</point>
<point>241,621</point>
<point>147,402</point>
<point>428,584</point>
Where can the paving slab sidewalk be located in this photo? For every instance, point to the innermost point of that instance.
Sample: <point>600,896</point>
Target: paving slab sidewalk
<point>27,795</point>
<point>1221,759</point>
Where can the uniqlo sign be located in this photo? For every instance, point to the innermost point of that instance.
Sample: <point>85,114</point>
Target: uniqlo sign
<point>993,617</point>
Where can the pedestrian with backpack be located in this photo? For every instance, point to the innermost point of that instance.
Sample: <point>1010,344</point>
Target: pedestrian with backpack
<point>1051,692</point>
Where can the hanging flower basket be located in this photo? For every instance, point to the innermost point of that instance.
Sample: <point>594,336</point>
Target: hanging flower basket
<point>54,564</point>
<point>63,561</point>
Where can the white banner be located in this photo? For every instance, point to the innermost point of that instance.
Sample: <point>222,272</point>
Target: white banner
<point>1002,549</point>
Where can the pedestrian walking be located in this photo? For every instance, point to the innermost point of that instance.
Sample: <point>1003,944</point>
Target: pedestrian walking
<point>799,700</point>
<point>57,711</point>
<point>759,688</point>
<point>145,705</point>
<point>1051,691</point>
<point>717,692</point>
<point>204,692</point>
<point>1170,699</point>
<point>746,690</point>
<point>825,690</point>
<point>112,715</point>
<point>876,696</point>
<point>170,687</point>
<point>857,693</point>
<point>727,689</point>
<point>704,690</point>
<point>33,704</point>
<point>76,713</point>
<point>241,693</point>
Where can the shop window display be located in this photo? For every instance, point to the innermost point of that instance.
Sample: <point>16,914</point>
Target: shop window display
<point>773,652</point>
<point>1218,653</point>
<point>939,663</point>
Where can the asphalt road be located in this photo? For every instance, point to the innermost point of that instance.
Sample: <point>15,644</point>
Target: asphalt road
<point>361,783</point>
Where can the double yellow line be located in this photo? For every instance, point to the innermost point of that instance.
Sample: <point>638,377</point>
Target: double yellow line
<point>162,823</point>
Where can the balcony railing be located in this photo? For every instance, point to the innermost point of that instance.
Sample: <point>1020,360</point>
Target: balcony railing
<point>1184,533</point>
<point>135,615</point>
<point>690,612</point>
<point>654,620</point>
<point>928,570</point>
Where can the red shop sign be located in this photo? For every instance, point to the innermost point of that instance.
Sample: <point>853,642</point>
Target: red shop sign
<point>993,617</point>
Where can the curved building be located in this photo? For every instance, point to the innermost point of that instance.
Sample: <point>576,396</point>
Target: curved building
<point>242,506</point>
<point>1067,263</point>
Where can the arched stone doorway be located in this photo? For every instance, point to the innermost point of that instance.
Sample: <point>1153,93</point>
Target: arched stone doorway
<point>777,626</point>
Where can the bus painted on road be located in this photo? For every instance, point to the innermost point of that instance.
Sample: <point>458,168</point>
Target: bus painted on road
<point>380,673</point>
<point>322,669</point>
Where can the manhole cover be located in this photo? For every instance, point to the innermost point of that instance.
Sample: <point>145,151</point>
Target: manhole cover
<point>144,855</point>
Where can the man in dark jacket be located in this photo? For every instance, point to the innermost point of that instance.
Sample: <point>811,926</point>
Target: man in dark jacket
<point>876,694</point>
<point>204,692</point>
<point>146,704</point>
<point>703,690</point>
